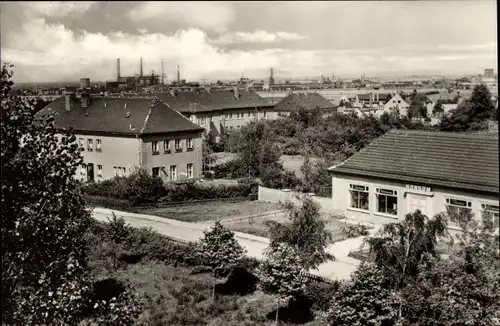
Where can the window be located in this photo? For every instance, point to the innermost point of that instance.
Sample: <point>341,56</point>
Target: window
<point>154,147</point>
<point>230,116</point>
<point>81,143</point>
<point>173,172</point>
<point>166,146</point>
<point>99,170</point>
<point>189,171</point>
<point>123,171</point>
<point>456,208</point>
<point>493,211</point>
<point>83,169</point>
<point>90,145</point>
<point>98,145</point>
<point>189,144</point>
<point>359,197</point>
<point>178,147</point>
<point>156,172</point>
<point>387,201</point>
<point>265,114</point>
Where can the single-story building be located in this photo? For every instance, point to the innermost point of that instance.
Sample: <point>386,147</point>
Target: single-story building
<point>405,170</point>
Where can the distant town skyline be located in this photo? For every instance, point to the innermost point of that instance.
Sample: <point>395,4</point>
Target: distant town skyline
<point>63,41</point>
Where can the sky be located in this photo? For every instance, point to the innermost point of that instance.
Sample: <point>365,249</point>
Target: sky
<point>63,41</point>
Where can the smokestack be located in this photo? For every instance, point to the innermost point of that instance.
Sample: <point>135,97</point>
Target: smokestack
<point>271,72</point>
<point>178,75</point>
<point>118,69</point>
<point>141,68</point>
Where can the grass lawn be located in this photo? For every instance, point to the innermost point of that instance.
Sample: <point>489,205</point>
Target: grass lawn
<point>212,211</point>
<point>257,226</point>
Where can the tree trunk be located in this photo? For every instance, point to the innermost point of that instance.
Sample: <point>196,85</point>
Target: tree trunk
<point>277,311</point>
<point>213,289</point>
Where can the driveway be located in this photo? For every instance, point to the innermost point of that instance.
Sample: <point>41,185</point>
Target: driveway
<point>339,269</point>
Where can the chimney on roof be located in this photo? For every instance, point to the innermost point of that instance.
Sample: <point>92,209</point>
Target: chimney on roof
<point>85,96</point>
<point>236,92</point>
<point>117,69</point>
<point>69,100</point>
<point>141,68</point>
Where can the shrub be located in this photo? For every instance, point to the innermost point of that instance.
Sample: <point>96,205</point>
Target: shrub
<point>354,231</point>
<point>143,188</point>
<point>321,294</point>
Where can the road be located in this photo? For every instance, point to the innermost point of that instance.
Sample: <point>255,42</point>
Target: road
<point>339,269</point>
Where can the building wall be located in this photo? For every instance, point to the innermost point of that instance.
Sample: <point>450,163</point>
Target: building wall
<point>429,202</point>
<point>115,151</point>
<point>180,160</point>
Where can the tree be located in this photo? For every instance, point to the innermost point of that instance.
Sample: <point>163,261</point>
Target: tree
<point>366,300</point>
<point>438,109</point>
<point>400,246</point>
<point>45,278</point>
<point>280,274</point>
<point>44,275</point>
<point>461,290</point>
<point>118,232</point>
<point>220,251</point>
<point>306,232</point>
<point>481,106</point>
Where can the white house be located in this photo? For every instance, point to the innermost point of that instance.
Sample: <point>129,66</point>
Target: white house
<point>396,103</point>
<point>431,171</point>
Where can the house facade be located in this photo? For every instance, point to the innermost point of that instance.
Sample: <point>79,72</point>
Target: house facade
<point>117,135</point>
<point>431,171</point>
<point>219,110</point>
<point>396,103</point>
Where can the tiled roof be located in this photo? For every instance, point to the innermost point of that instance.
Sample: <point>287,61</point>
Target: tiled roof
<point>144,118</point>
<point>309,101</point>
<point>454,160</point>
<point>204,101</point>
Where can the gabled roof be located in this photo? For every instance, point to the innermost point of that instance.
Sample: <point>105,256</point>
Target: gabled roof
<point>452,160</point>
<point>204,101</point>
<point>146,116</point>
<point>309,101</point>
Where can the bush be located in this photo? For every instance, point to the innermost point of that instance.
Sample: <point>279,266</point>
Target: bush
<point>354,231</point>
<point>321,294</point>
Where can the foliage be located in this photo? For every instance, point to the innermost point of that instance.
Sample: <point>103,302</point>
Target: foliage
<point>280,273</point>
<point>306,232</point>
<point>45,277</point>
<point>461,290</point>
<point>354,231</point>
<point>471,114</point>
<point>118,233</point>
<point>366,300</point>
<point>220,251</point>
<point>399,248</point>
<point>143,188</point>
<point>321,293</point>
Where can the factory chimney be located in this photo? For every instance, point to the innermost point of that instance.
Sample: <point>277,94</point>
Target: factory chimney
<point>178,76</point>
<point>141,68</point>
<point>118,69</point>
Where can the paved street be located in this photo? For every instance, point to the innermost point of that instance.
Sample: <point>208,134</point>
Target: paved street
<point>339,269</point>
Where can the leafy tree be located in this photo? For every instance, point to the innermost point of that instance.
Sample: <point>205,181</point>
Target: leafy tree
<point>481,106</point>
<point>44,276</point>
<point>208,152</point>
<point>142,187</point>
<point>400,246</point>
<point>366,300</point>
<point>220,251</point>
<point>306,232</point>
<point>118,232</point>
<point>280,274</point>
<point>438,109</point>
<point>461,290</point>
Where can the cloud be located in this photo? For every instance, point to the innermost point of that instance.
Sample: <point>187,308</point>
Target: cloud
<point>205,15</point>
<point>258,36</point>
<point>60,8</point>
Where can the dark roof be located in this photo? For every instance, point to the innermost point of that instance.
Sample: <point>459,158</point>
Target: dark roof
<point>383,97</point>
<point>309,101</point>
<point>454,160</point>
<point>145,118</point>
<point>204,101</point>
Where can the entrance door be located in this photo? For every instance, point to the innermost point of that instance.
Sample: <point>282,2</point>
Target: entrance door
<point>418,202</point>
<point>90,171</point>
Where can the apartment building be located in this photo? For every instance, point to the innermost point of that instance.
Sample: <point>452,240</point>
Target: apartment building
<point>218,110</point>
<point>117,134</point>
<point>405,170</point>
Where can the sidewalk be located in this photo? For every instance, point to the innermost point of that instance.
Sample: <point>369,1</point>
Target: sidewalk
<point>339,269</point>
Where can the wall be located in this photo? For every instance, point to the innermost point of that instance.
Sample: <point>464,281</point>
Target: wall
<point>430,203</point>
<point>180,159</point>
<point>115,151</point>
<point>276,196</point>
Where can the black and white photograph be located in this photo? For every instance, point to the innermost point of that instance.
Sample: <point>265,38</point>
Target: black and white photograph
<point>250,163</point>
